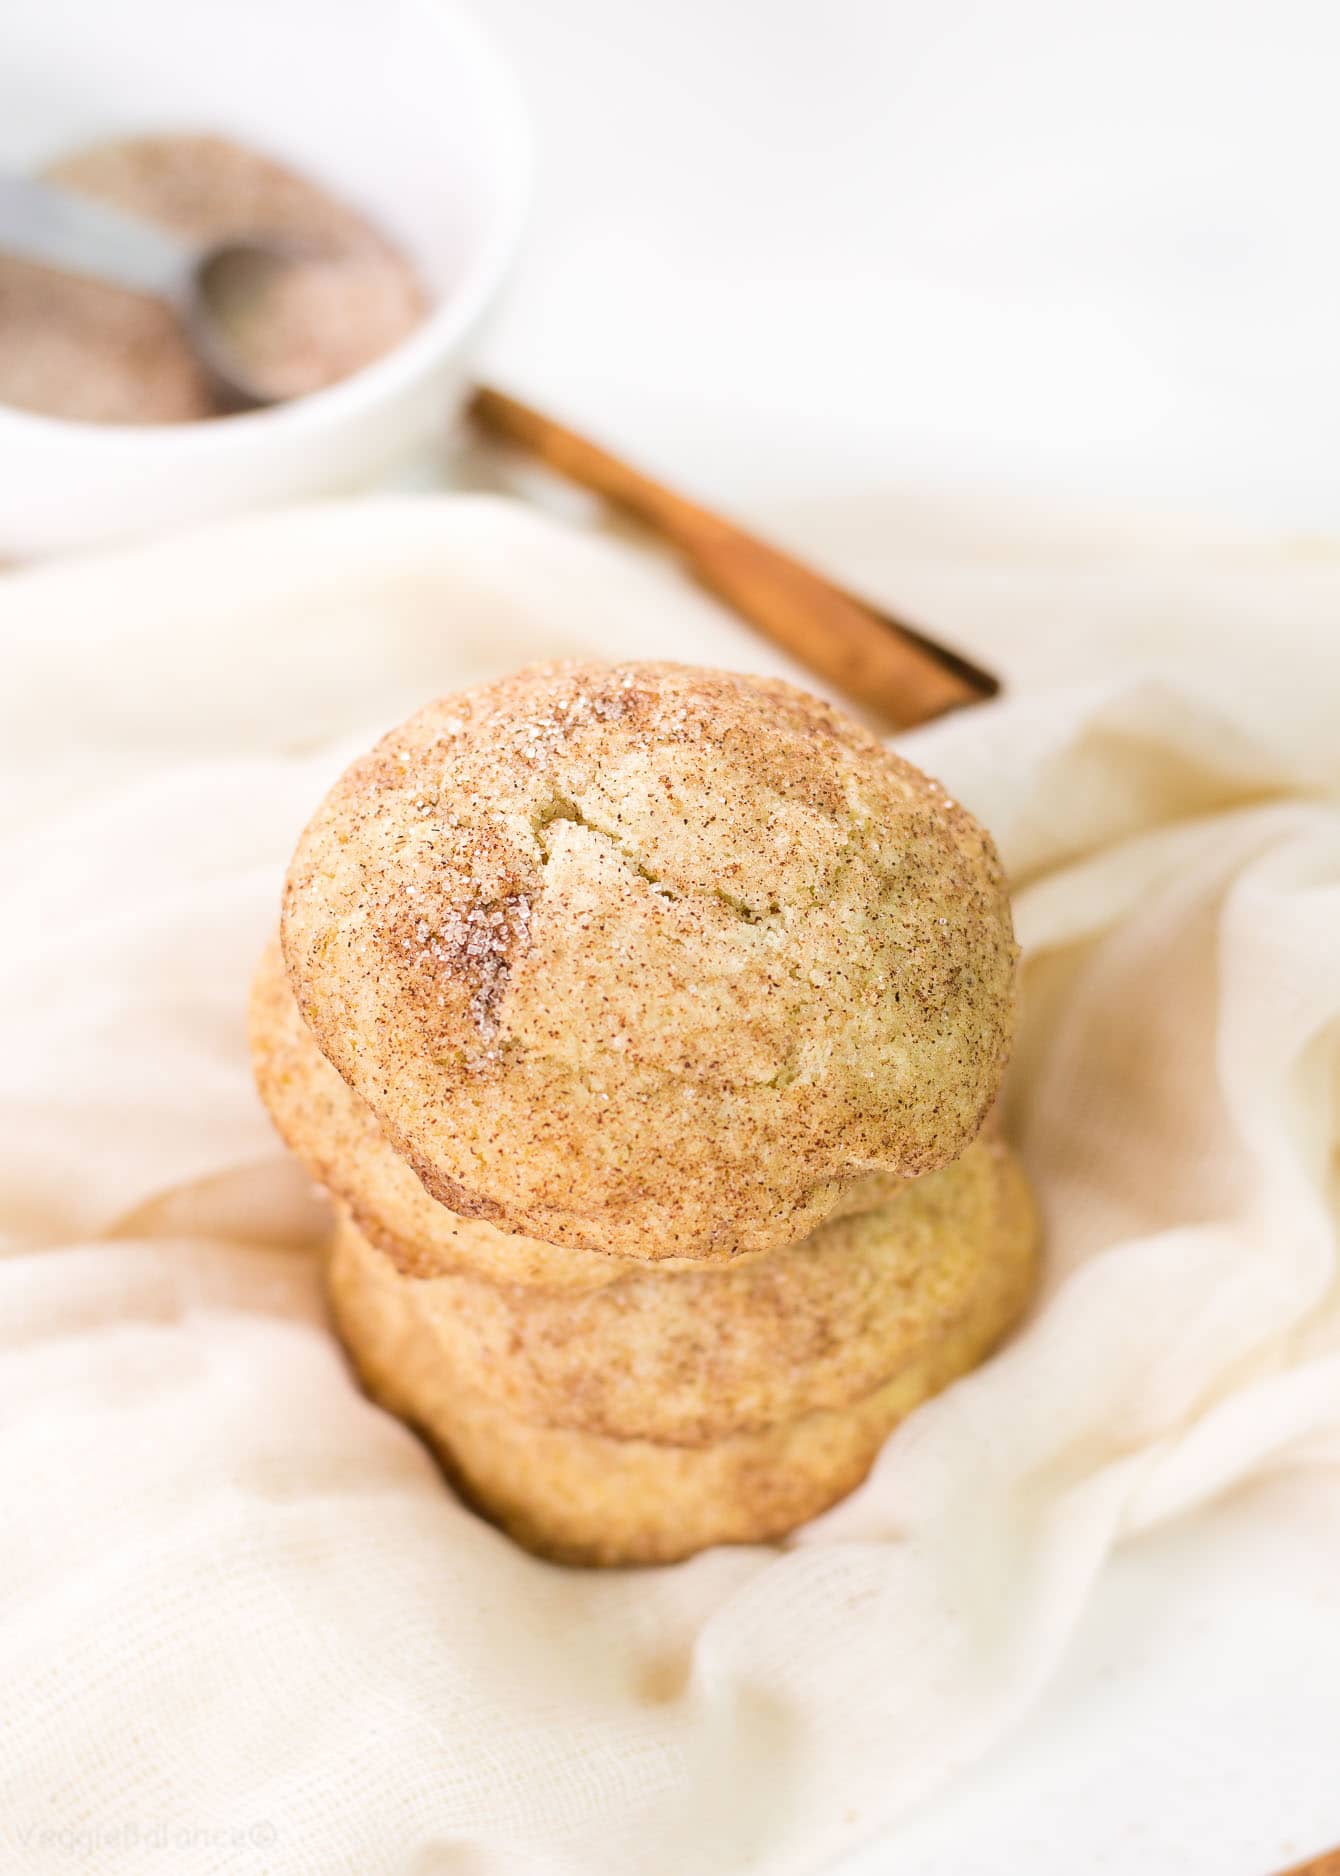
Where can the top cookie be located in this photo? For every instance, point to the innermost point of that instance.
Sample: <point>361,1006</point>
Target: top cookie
<point>653,960</point>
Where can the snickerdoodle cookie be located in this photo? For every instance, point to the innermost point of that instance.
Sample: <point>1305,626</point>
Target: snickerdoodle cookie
<point>652,960</point>
<point>585,1498</point>
<point>694,1359</point>
<point>336,1136</point>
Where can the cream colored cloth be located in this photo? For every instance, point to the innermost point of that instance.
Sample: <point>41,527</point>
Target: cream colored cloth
<point>243,1625</point>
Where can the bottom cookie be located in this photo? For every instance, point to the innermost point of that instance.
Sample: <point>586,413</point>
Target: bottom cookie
<point>586,1498</point>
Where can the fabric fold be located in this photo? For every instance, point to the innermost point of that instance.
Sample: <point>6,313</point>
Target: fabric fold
<point>237,1598</point>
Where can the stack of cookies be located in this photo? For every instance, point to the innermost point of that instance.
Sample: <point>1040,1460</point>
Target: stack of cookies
<point>642,1022</point>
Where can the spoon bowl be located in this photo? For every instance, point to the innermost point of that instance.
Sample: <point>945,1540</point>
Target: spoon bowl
<point>225,295</point>
<point>232,291</point>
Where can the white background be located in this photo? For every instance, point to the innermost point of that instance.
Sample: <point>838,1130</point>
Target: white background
<point>1085,245</point>
<point>790,254</point>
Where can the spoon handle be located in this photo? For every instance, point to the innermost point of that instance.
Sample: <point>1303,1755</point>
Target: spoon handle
<point>57,228</point>
<point>898,674</point>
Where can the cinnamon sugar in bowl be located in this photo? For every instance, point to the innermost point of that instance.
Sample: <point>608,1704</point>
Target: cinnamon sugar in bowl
<point>397,113</point>
<point>101,354</point>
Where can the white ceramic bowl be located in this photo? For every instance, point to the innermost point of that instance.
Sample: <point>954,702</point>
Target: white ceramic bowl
<point>400,105</point>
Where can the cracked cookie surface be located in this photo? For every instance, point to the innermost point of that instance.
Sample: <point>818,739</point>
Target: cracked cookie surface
<point>653,960</point>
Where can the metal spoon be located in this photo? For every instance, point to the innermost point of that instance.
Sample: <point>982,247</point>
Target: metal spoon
<point>209,288</point>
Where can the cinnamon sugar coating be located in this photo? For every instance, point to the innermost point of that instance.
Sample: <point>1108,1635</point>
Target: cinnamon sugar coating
<point>652,960</point>
<point>693,1359</point>
<point>336,1136</point>
<point>581,1497</point>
